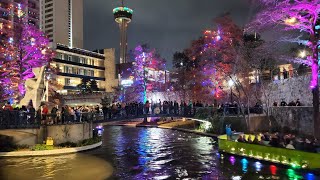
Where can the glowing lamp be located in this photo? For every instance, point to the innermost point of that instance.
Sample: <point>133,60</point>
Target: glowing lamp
<point>290,21</point>
<point>303,54</point>
<point>230,83</point>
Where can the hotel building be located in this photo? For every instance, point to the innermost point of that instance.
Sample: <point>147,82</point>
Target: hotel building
<point>62,21</point>
<point>75,64</point>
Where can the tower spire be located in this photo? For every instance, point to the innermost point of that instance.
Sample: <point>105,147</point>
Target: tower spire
<point>123,16</point>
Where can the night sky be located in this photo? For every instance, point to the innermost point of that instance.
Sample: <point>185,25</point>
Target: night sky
<point>167,25</point>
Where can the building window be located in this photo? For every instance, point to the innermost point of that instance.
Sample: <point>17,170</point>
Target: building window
<point>60,56</point>
<point>76,59</point>
<point>48,15</point>
<point>49,31</point>
<point>69,58</point>
<point>65,69</point>
<point>81,60</point>
<point>48,10</point>
<point>81,71</point>
<point>67,81</point>
<point>89,73</point>
<point>46,1</point>
<point>49,20</point>
<point>49,25</point>
<point>48,5</point>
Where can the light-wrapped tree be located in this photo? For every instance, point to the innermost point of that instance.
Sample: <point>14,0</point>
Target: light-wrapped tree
<point>296,15</point>
<point>145,70</point>
<point>23,47</point>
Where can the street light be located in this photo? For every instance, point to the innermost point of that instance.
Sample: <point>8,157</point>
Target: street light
<point>290,21</point>
<point>303,54</point>
<point>230,84</point>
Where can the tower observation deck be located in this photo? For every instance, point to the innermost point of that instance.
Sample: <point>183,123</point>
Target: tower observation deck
<point>123,16</point>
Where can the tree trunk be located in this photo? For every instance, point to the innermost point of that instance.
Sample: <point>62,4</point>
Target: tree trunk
<point>315,93</point>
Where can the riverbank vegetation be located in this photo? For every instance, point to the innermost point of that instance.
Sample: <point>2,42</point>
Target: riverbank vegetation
<point>7,145</point>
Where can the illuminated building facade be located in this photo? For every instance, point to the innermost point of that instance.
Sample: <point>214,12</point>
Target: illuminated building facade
<point>75,64</point>
<point>32,8</point>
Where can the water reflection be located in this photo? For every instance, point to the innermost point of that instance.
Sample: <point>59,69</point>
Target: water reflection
<point>244,163</point>
<point>147,153</point>
<point>73,166</point>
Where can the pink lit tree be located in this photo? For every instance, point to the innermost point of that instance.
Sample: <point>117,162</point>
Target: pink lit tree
<point>296,15</point>
<point>22,47</point>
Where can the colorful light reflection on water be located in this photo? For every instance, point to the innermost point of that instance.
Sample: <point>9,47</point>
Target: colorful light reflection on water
<point>142,153</point>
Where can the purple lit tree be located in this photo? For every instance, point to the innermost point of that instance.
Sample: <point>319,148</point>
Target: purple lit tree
<point>145,72</point>
<point>22,47</point>
<point>296,15</point>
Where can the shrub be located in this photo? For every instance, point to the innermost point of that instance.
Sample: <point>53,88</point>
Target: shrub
<point>90,141</point>
<point>67,144</point>
<point>41,147</point>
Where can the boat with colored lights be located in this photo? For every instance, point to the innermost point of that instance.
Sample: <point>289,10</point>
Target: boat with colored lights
<point>294,158</point>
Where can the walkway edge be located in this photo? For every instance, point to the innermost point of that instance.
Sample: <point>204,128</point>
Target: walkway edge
<point>189,131</point>
<point>50,152</point>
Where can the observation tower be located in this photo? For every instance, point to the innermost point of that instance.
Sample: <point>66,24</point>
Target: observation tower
<point>123,16</point>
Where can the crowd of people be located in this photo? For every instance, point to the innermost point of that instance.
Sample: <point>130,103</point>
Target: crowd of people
<point>289,141</point>
<point>71,114</point>
<point>160,107</point>
<point>65,114</point>
<point>291,103</point>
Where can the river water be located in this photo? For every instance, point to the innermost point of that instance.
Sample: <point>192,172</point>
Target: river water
<point>147,153</point>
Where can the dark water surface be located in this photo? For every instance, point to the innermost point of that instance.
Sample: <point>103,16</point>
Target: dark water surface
<point>147,153</point>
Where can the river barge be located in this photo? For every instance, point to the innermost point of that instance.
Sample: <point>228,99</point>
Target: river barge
<point>293,158</point>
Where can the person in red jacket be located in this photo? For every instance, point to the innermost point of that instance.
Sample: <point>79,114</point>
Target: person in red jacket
<point>44,113</point>
<point>8,107</point>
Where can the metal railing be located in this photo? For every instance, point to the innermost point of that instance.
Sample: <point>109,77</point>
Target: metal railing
<point>17,120</point>
<point>23,119</point>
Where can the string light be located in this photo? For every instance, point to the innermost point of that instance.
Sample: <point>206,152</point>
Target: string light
<point>19,57</point>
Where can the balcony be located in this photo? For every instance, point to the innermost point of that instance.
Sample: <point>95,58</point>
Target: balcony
<point>77,64</point>
<point>81,76</point>
<point>76,88</point>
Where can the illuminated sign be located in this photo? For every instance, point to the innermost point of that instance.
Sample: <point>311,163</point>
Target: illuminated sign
<point>126,82</point>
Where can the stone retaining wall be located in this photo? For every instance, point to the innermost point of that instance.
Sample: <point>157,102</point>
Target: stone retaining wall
<point>299,119</point>
<point>59,133</point>
<point>69,132</point>
<point>289,90</point>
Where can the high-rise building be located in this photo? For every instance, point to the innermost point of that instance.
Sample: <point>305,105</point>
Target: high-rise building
<point>123,16</point>
<point>30,7</point>
<point>62,21</point>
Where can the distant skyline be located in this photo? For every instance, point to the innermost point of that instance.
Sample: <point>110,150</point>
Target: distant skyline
<point>166,25</point>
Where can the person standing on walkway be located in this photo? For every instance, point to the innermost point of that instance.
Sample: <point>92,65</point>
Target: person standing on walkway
<point>44,114</point>
<point>54,115</point>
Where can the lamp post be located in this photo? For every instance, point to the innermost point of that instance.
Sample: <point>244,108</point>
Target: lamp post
<point>230,84</point>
